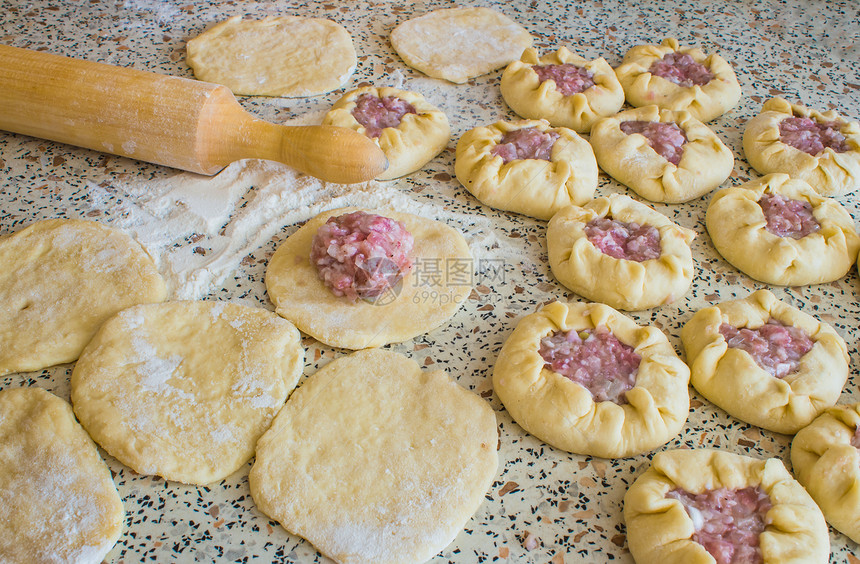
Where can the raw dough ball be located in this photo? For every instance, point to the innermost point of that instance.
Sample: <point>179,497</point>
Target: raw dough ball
<point>58,498</point>
<point>375,461</point>
<point>739,230</point>
<point>438,284</point>
<point>532,187</point>
<point>705,102</point>
<point>830,173</point>
<point>524,92</point>
<point>410,145</point>
<point>563,413</point>
<point>659,530</point>
<point>286,56</point>
<point>705,162</point>
<point>733,380</point>
<point>617,282</point>
<point>61,279</point>
<point>826,461</point>
<point>459,43</point>
<point>183,390</point>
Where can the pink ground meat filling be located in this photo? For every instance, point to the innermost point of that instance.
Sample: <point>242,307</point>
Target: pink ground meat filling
<point>629,241</point>
<point>667,139</point>
<point>727,522</point>
<point>594,359</point>
<point>526,143</point>
<point>810,136</point>
<point>777,348</point>
<point>681,69</point>
<point>569,79</point>
<point>361,255</point>
<point>376,113</point>
<point>788,218</point>
<point>855,440</point>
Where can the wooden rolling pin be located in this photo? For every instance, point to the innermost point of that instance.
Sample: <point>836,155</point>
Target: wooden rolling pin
<point>168,120</point>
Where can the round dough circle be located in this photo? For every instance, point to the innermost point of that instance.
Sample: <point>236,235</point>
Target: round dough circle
<point>706,161</point>
<point>829,173</point>
<point>659,530</point>
<point>564,414</point>
<point>532,99</point>
<point>409,146</point>
<point>619,283</point>
<point>287,56</point>
<point>422,303</point>
<point>783,405</point>
<point>828,466</point>
<point>375,461</point>
<point>705,102</point>
<point>738,229</point>
<point>528,186</point>
<point>61,279</point>
<point>58,498</point>
<point>457,44</point>
<point>183,390</point>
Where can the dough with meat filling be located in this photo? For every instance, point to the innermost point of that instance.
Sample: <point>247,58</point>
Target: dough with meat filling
<point>563,413</point>
<point>375,461</point>
<point>783,405</point>
<point>706,162</point>
<point>659,530</point>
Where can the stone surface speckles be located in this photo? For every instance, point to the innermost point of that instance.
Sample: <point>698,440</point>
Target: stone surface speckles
<point>806,52</point>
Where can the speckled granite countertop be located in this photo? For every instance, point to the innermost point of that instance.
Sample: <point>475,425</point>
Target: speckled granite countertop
<point>808,53</point>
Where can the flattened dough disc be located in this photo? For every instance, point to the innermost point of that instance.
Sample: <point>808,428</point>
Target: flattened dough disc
<point>460,43</point>
<point>58,500</point>
<point>287,56</point>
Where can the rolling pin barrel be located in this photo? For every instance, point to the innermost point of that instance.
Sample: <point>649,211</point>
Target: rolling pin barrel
<point>168,120</point>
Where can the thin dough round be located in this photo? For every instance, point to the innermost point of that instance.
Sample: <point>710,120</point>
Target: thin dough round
<point>782,405</point>
<point>532,99</point>
<point>409,146</point>
<point>705,102</point>
<point>829,173</point>
<point>287,56</point>
<point>58,498</point>
<point>183,390</point>
<point>457,44</point>
<point>427,298</point>
<point>705,163</point>
<point>738,229</point>
<point>375,461</point>
<point>61,279</point>
<point>532,187</point>
<point>828,466</point>
<point>659,530</point>
<point>619,283</point>
<point>564,414</point>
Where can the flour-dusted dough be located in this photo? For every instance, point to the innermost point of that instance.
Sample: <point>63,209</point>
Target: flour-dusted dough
<point>659,530</point>
<point>705,102</point>
<point>60,279</point>
<point>459,43</point>
<point>532,187</point>
<point>409,146</point>
<point>438,284</point>
<point>286,56</point>
<point>738,229</point>
<point>731,379</point>
<point>828,466</point>
<point>705,163</point>
<point>532,99</point>
<point>183,390</point>
<point>58,500</point>
<point>375,461</point>
<point>561,412</point>
<point>619,283</point>
<point>829,173</point>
